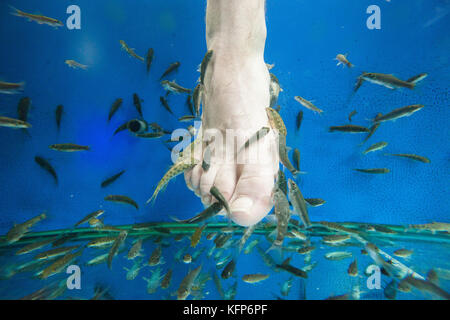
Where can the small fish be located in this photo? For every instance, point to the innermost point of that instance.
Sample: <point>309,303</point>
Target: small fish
<point>247,233</point>
<point>23,108</point>
<point>60,264</point>
<point>116,245</point>
<point>433,227</point>
<point>57,252</point>
<point>399,113</point>
<point>114,107</point>
<point>342,59</point>
<point>308,104</point>
<point>338,255</point>
<point>282,182</point>
<point>299,119</point>
<point>186,118</point>
<point>10,87</point>
<point>298,235</point>
<point>374,170</point>
<point>130,51</point>
<point>390,291</point>
<point>135,250</point>
<point>350,128</point>
<point>296,158</point>
<point>315,202</point>
<point>40,19</point>
<point>372,129</point>
<point>90,216</point>
<point>122,199</point>
<point>219,197</point>
<point>156,257</point>
<point>137,104</point>
<point>44,164</point>
<point>410,156</point>
<point>197,98</point>
<point>34,246</point>
<point>274,89</point>
<point>254,278</point>
<point>229,269</point>
<point>222,239</point>
<point>337,227</point>
<point>172,86</point>
<point>150,135</point>
<point>174,171</point>
<point>292,270</point>
<point>283,214</point>
<point>68,147</point>
<point>165,104</point>
<point>276,122</point>
<point>58,115</point>
<point>165,283</point>
<point>204,65</point>
<point>334,239</point>
<point>97,260</point>
<point>248,249</point>
<point>350,116</point>
<point>353,269</point>
<point>149,59</point>
<point>172,67</point>
<point>75,65</point>
<point>154,281</point>
<point>111,179</point>
<point>101,243</point>
<point>19,230</point>
<point>209,212</point>
<point>122,127</point>
<point>195,238</point>
<point>388,80</point>
<point>133,272</point>
<point>298,202</point>
<point>255,137</point>
<point>403,253</point>
<point>14,123</point>
<point>283,154</point>
<point>375,147</point>
<point>186,284</point>
<point>190,105</point>
<point>426,286</point>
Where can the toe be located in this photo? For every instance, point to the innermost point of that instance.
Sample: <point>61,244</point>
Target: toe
<point>252,199</point>
<point>226,180</point>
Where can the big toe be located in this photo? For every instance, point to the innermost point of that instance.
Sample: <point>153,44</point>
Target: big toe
<point>252,199</point>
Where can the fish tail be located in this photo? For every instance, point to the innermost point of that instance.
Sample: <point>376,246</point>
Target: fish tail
<point>275,247</point>
<point>416,79</point>
<point>16,12</point>
<point>350,65</point>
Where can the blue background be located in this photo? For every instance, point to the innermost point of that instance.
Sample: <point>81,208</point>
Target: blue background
<point>303,39</point>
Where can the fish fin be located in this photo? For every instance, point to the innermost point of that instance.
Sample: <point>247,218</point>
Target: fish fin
<point>126,269</point>
<point>277,248</point>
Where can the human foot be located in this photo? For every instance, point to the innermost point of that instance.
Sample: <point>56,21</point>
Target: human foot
<point>235,95</point>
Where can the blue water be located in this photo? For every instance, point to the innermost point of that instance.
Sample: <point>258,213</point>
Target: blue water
<point>303,39</point>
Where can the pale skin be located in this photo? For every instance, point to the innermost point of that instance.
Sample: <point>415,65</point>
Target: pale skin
<point>236,96</point>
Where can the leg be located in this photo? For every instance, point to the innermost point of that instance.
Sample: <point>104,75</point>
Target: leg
<point>236,93</point>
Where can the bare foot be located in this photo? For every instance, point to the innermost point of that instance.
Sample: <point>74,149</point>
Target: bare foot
<point>236,93</point>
